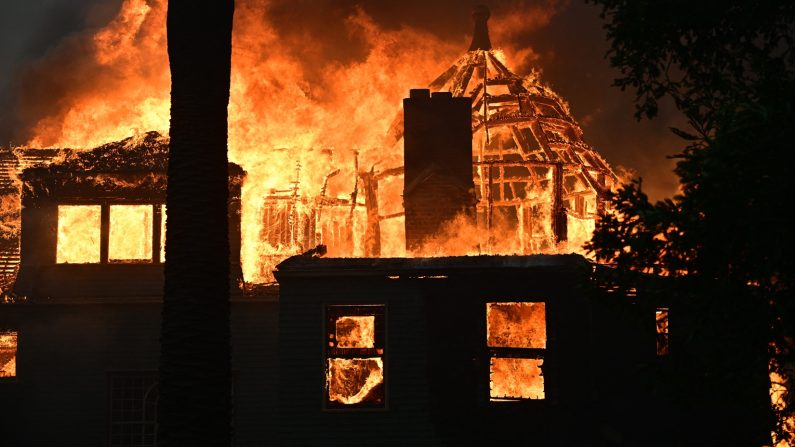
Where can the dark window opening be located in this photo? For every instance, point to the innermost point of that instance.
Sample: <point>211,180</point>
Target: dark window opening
<point>133,409</point>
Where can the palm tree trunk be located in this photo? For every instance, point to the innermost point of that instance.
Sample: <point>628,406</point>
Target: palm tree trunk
<point>195,406</point>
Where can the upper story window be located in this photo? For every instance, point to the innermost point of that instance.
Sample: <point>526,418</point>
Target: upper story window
<point>8,354</point>
<point>130,237</point>
<point>115,233</point>
<point>79,234</point>
<point>516,336</point>
<point>355,356</point>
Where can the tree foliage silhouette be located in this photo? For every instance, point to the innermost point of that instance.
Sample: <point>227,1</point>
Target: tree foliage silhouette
<point>729,68</point>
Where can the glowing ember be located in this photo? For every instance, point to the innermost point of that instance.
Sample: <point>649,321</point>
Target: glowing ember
<point>355,332</point>
<point>355,381</point>
<point>516,325</point>
<point>8,354</point>
<point>513,378</point>
<point>130,235</point>
<point>78,234</point>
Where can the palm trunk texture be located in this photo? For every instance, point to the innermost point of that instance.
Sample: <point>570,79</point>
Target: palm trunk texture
<point>195,403</point>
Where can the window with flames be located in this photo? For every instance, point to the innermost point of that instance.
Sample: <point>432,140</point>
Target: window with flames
<point>111,233</point>
<point>516,337</point>
<point>355,357</point>
<point>663,342</point>
<point>8,354</point>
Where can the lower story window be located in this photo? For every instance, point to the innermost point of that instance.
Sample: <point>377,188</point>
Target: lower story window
<point>355,357</point>
<point>516,337</point>
<point>133,409</point>
<point>8,354</point>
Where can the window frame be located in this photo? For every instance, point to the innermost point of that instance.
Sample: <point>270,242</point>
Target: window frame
<point>517,353</point>
<point>331,313</point>
<point>158,214</point>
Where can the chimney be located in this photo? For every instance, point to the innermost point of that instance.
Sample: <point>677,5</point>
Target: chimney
<point>480,35</point>
<point>438,183</point>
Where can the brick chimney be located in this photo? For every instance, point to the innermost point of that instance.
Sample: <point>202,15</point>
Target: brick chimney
<point>437,155</point>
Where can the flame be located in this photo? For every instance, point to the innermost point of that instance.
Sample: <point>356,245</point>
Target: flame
<point>8,354</point>
<point>78,234</point>
<point>353,381</point>
<point>355,332</point>
<point>515,378</point>
<point>304,133</point>
<point>130,233</point>
<point>516,325</point>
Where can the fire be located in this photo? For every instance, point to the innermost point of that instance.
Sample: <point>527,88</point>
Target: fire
<point>516,379</point>
<point>353,381</point>
<point>8,354</point>
<point>78,234</point>
<point>130,234</point>
<point>355,332</point>
<point>308,136</point>
<point>516,325</point>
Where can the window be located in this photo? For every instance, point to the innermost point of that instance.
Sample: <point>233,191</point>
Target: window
<point>8,354</point>
<point>115,233</point>
<point>133,409</point>
<point>661,317</point>
<point>355,357</point>
<point>79,233</point>
<point>516,336</point>
<point>130,237</point>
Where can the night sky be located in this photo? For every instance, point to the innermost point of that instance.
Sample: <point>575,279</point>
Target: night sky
<point>565,41</point>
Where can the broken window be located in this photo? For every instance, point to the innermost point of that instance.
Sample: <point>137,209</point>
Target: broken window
<point>355,356</point>
<point>78,234</point>
<point>130,236</point>
<point>133,409</point>
<point>8,354</point>
<point>662,331</point>
<point>516,336</point>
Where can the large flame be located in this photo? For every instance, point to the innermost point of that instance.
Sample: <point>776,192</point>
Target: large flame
<point>281,130</point>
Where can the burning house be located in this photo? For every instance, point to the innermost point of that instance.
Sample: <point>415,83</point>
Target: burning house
<point>506,338</point>
<point>536,185</point>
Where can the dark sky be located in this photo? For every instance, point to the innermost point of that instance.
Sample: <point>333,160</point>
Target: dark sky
<point>568,47</point>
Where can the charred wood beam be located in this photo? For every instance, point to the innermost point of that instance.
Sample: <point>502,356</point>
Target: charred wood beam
<point>559,227</point>
<point>391,216</point>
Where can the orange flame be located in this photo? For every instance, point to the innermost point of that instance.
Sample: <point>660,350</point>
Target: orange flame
<point>78,234</point>
<point>291,135</point>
